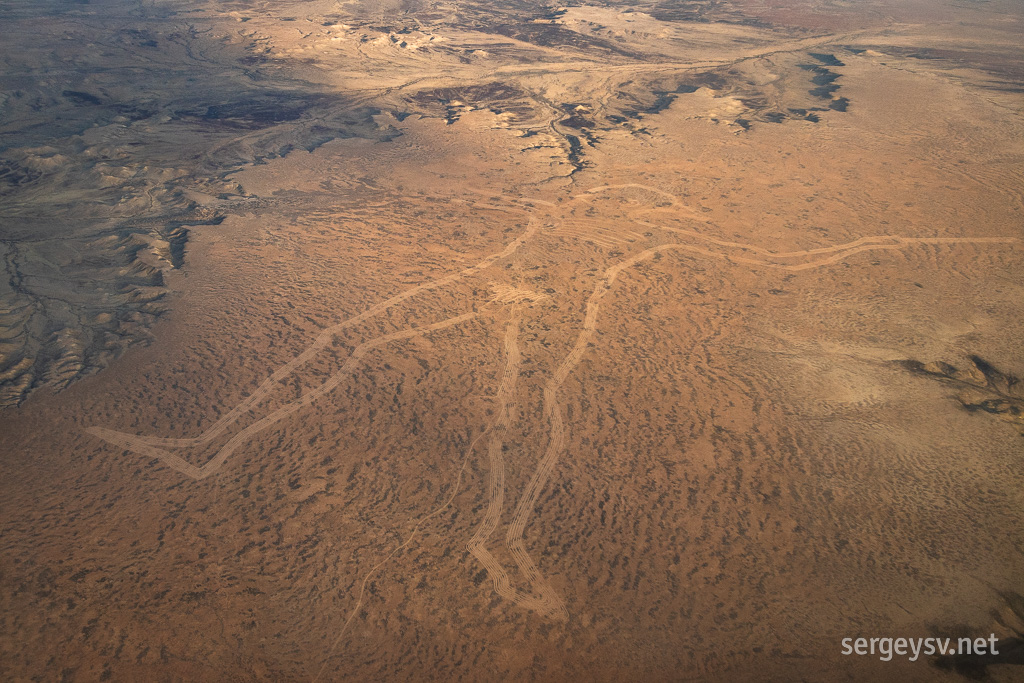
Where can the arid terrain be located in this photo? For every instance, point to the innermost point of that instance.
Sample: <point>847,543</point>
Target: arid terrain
<point>404,341</point>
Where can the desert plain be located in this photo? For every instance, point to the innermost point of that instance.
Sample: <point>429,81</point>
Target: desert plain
<point>407,341</point>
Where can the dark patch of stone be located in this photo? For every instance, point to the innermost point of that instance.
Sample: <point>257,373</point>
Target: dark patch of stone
<point>1000,393</point>
<point>471,94</point>
<point>257,111</point>
<point>826,59</point>
<point>79,97</point>
<point>575,153</point>
<point>577,121</point>
<point>554,14</point>
<point>663,99</point>
<point>554,35</point>
<point>13,174</point>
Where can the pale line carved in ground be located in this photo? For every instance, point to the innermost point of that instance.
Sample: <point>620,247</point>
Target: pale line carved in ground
<point>545,600</point>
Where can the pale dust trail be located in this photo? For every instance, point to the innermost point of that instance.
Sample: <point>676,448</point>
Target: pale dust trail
<point>144,446</point>
<point>505,399</point>
<point>321,342</point>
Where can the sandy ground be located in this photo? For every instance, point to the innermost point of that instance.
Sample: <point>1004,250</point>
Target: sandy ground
<point>611,345</point>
